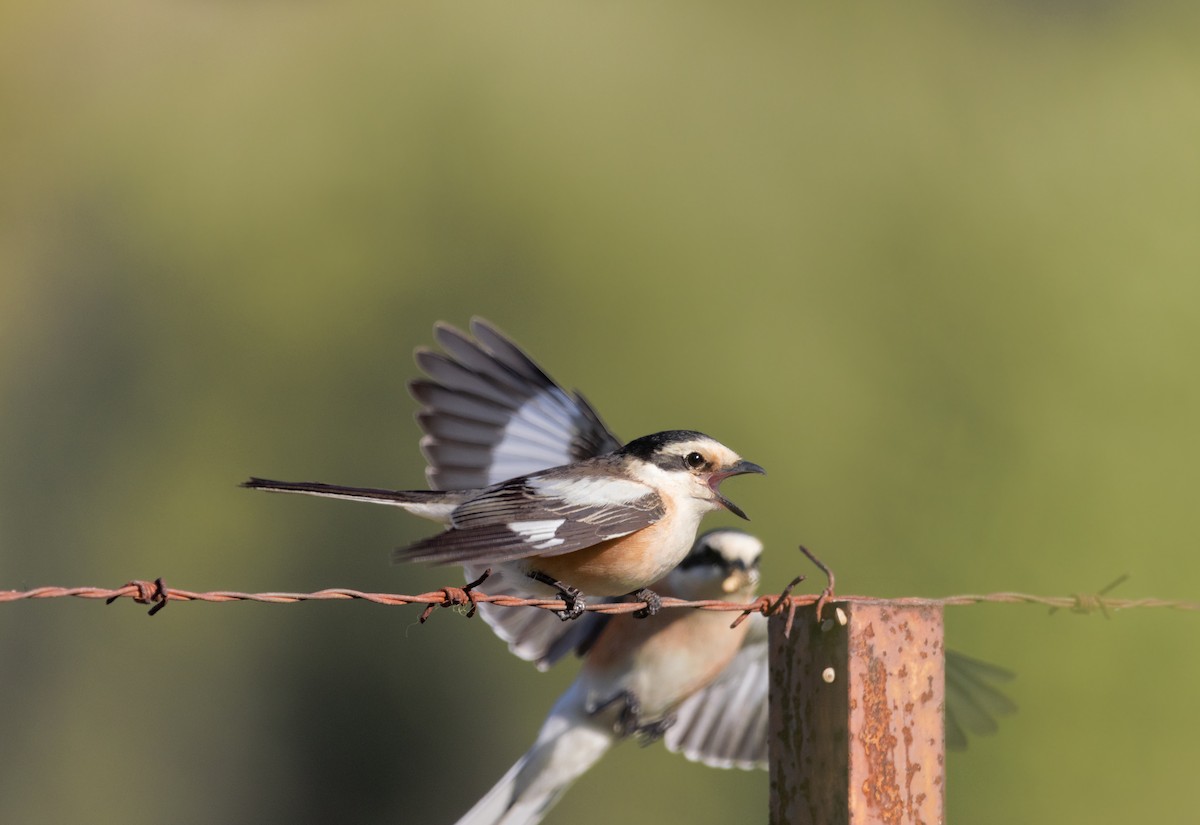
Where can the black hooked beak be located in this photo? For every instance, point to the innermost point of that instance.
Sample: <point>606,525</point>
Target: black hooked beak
<point>741,468</point>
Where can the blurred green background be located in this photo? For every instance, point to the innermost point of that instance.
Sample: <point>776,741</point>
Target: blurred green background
<point>936,266</point>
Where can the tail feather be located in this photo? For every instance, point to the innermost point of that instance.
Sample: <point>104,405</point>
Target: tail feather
<point>568,744</point>
<point>431,504</point>
<point>498,802</point>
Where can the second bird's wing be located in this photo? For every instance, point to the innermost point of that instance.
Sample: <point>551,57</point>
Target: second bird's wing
<point>972,699</point>
<point>725,724</point>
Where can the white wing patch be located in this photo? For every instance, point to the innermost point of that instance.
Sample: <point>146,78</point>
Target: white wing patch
<point>590,492</point>
<point>539,534</point>
<point>536,436</point>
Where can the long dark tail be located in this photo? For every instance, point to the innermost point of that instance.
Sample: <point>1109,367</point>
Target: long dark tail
<point>432,504</point>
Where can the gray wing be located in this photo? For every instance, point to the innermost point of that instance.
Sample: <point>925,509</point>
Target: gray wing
<point>490,413</point>
<point>724,725</point>
<point>972,699</point>
<point>513,520</point>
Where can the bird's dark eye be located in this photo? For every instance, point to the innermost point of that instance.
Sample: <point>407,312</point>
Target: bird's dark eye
<point>694,461</point>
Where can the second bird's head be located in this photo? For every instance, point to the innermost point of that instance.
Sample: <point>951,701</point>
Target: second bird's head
<point>722,564</point>
<point>687,463</point>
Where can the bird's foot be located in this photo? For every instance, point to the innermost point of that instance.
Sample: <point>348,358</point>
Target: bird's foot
<point>653,602</point>
<point>628,720</point>
<point>651,732</point>
<point>574,604</point>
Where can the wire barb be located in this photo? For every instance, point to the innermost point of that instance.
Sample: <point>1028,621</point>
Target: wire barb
<point>458,595</point>
<point>145,592</point>
<point>827,593</point>
<point>1093,602</point>
<point>769,605</point>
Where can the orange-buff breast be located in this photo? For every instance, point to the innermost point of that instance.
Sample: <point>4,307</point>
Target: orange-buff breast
<point>610,568</point>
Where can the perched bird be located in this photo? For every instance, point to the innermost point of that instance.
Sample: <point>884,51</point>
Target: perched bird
<point>607,522</point>
<point>682,676</point>
<point>489,413</point>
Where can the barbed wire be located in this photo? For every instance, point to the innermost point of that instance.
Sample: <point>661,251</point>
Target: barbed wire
<point>157,594</point>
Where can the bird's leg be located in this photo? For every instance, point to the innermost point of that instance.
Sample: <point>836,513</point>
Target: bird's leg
<point>571,596</point>
<point>653,602</point>
<point>651,732</point>
<point>627,718</point>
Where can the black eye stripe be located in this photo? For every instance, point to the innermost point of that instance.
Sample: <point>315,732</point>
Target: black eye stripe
<point>708,557</point>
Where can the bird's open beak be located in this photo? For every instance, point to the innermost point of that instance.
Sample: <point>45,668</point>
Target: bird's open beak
<point>741,468</point>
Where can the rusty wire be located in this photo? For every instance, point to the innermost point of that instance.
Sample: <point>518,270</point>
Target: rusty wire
<point>157,594</point>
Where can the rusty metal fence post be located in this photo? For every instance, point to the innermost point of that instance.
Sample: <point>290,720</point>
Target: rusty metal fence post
<point>856,715</point>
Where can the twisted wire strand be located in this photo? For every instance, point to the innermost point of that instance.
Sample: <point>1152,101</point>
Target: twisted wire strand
<point>157,594</point>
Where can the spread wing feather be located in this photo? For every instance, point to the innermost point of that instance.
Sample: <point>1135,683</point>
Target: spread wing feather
<point>487,395</point>
<point>972,699</point>
<point>724,725</point>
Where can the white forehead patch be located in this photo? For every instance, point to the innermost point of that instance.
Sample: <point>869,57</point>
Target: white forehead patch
<point>539,534</point>
<point>736,545</point>
<point>593,491</point>
<point>714,451</point>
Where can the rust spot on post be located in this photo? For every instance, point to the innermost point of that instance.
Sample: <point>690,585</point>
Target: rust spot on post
<point>868,747</point>
<point>880,788</point>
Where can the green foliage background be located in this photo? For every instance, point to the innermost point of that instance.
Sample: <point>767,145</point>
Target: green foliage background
<point>935,265</point>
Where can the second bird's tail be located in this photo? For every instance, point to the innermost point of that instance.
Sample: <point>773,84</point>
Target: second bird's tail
<point>568,744</point>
